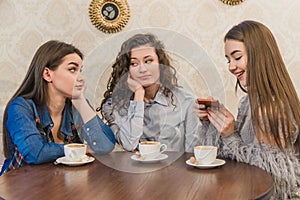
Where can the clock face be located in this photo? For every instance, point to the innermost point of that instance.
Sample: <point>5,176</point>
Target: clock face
<point>232,2</point>
<point>110,11</point>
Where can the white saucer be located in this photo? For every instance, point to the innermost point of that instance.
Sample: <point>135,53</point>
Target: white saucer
<point>142,159</point>
<point>85,160</point>
<point>216,163</point>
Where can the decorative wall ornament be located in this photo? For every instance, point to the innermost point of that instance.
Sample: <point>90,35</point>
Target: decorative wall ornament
<point>232,2</point>
<point>109,16</point>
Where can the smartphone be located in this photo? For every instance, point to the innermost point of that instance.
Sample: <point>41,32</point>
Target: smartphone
<point>208,103</point>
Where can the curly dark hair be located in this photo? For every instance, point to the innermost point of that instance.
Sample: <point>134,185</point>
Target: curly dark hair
<point>117,87</point>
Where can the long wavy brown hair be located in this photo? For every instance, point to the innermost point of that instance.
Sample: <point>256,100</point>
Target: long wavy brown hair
<point>273,99</point>
<point>117,87</point>
<point>34,87</point>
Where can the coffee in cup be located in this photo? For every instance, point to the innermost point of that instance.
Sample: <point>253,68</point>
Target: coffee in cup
<point>151,149</point>
<point>75,152</point>
<point>205,155</point>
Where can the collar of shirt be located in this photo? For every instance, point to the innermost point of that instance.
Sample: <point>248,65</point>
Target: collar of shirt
<point>160,98</point>
<point>46,120</point>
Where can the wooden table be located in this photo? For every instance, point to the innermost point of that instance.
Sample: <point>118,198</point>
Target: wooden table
<point>117,176</point>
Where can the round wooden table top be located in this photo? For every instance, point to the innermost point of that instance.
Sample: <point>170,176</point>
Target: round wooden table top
<point>119,176</point>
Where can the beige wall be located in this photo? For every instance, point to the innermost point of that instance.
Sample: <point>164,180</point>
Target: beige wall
<point>192,30</point>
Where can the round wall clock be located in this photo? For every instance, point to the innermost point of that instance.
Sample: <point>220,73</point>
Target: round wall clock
<point>109,16</point>
<point>232,2</point>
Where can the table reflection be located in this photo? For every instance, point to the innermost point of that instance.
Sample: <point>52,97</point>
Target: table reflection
<point>122,161</point>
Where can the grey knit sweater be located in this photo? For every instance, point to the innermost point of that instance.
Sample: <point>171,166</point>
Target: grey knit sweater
<point>243,146</point>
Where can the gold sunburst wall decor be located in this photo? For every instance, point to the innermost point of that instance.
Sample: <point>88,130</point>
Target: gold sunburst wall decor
<point>109,16</point>
<point>232,2</point>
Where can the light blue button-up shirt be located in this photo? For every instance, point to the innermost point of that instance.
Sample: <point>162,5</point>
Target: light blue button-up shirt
<point>176,126</point>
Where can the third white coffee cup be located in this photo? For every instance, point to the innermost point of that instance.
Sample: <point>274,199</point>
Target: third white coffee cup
<point>205,155</point>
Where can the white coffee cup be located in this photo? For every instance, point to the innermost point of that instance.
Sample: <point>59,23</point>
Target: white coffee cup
<point>151,149</point>
<point>205,155</point>
<point>75,152</point>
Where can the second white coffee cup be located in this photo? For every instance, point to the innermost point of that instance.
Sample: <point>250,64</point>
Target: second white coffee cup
<point>151,149</point>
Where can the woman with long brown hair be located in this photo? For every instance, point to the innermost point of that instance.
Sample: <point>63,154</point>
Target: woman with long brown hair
<point>49,110</point>
<point>266,131</point>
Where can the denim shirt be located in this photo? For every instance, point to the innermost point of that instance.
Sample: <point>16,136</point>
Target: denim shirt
<point>29,127</point>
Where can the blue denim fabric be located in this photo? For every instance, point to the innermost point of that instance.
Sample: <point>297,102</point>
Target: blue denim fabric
<point>33,144</point>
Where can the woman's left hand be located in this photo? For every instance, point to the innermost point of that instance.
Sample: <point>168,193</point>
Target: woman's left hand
<point>222,119</point>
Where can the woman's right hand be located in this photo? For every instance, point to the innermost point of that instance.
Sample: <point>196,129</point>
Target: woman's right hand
<point>200,111</point>
<point>133,84</point>
<point>136,87</point>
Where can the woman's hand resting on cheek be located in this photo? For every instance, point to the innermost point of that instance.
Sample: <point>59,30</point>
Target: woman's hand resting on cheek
<point>80,102</point>
<point>133,84</point>
<point>78,93</point>
<point>136,87</point>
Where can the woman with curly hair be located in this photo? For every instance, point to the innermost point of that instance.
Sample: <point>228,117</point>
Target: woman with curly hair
<point>143,101</point>
<point>266,131</point>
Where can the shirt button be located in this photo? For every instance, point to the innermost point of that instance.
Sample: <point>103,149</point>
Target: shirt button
<point>94,143</point>
<point>87,129</point>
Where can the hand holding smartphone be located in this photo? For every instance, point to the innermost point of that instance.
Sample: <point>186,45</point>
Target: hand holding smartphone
<point>208,103</point>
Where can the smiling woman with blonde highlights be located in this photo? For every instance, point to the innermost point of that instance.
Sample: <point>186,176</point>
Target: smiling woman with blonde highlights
<point>266,131</point>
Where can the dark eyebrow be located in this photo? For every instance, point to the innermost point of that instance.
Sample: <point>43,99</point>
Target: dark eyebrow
<point>148,56</point>
<point>232,53</point>
<point>73,63</point>
<point>145,57</point>
<point>235,51</point>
